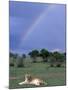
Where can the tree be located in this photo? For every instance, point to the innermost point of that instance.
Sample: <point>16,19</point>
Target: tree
<point>11,61</point>
<point>33,54</point>
<point>23,56</point>
<point>64,56</point>
<point>59,58</point>
<point>20,62</point>
<point>44,54</point>
<point>51,59</point>
<point>13,58</point>
<point>11,54</point>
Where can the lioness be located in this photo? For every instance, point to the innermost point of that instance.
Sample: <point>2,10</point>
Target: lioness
<point>30,80</point>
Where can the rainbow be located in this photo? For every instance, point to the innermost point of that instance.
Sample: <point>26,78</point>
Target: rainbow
<point>36,22</point>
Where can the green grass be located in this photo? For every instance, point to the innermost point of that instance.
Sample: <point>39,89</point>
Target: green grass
<point>54,76</point>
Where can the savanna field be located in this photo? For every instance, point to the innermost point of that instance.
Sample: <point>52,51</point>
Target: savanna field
<point>54,76</point>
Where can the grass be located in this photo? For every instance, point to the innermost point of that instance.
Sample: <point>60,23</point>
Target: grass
<point>54,76</point>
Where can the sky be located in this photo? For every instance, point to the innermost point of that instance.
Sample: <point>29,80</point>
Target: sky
<point>36,26</point>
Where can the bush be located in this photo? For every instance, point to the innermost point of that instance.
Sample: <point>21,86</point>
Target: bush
<point>51,65</point>
<point>44,60</point>
<point>34,61</point>
<point>12,64</point>
<point>20,65</point>
<point>58,65</point>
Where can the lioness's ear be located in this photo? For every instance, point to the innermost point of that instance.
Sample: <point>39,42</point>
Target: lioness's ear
<point>26,75</point>
<point>29,75</point>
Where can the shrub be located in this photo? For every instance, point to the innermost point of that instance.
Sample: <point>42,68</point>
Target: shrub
<point>20,65</point>
<point>58,65</point>
<point>12,64</point>
<point>51,65</point>
<point>34,61</point>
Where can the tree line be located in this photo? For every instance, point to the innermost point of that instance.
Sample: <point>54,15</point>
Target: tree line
<point>53,58</point>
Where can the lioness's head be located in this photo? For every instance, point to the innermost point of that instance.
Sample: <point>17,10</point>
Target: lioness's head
<point>28,77</point>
